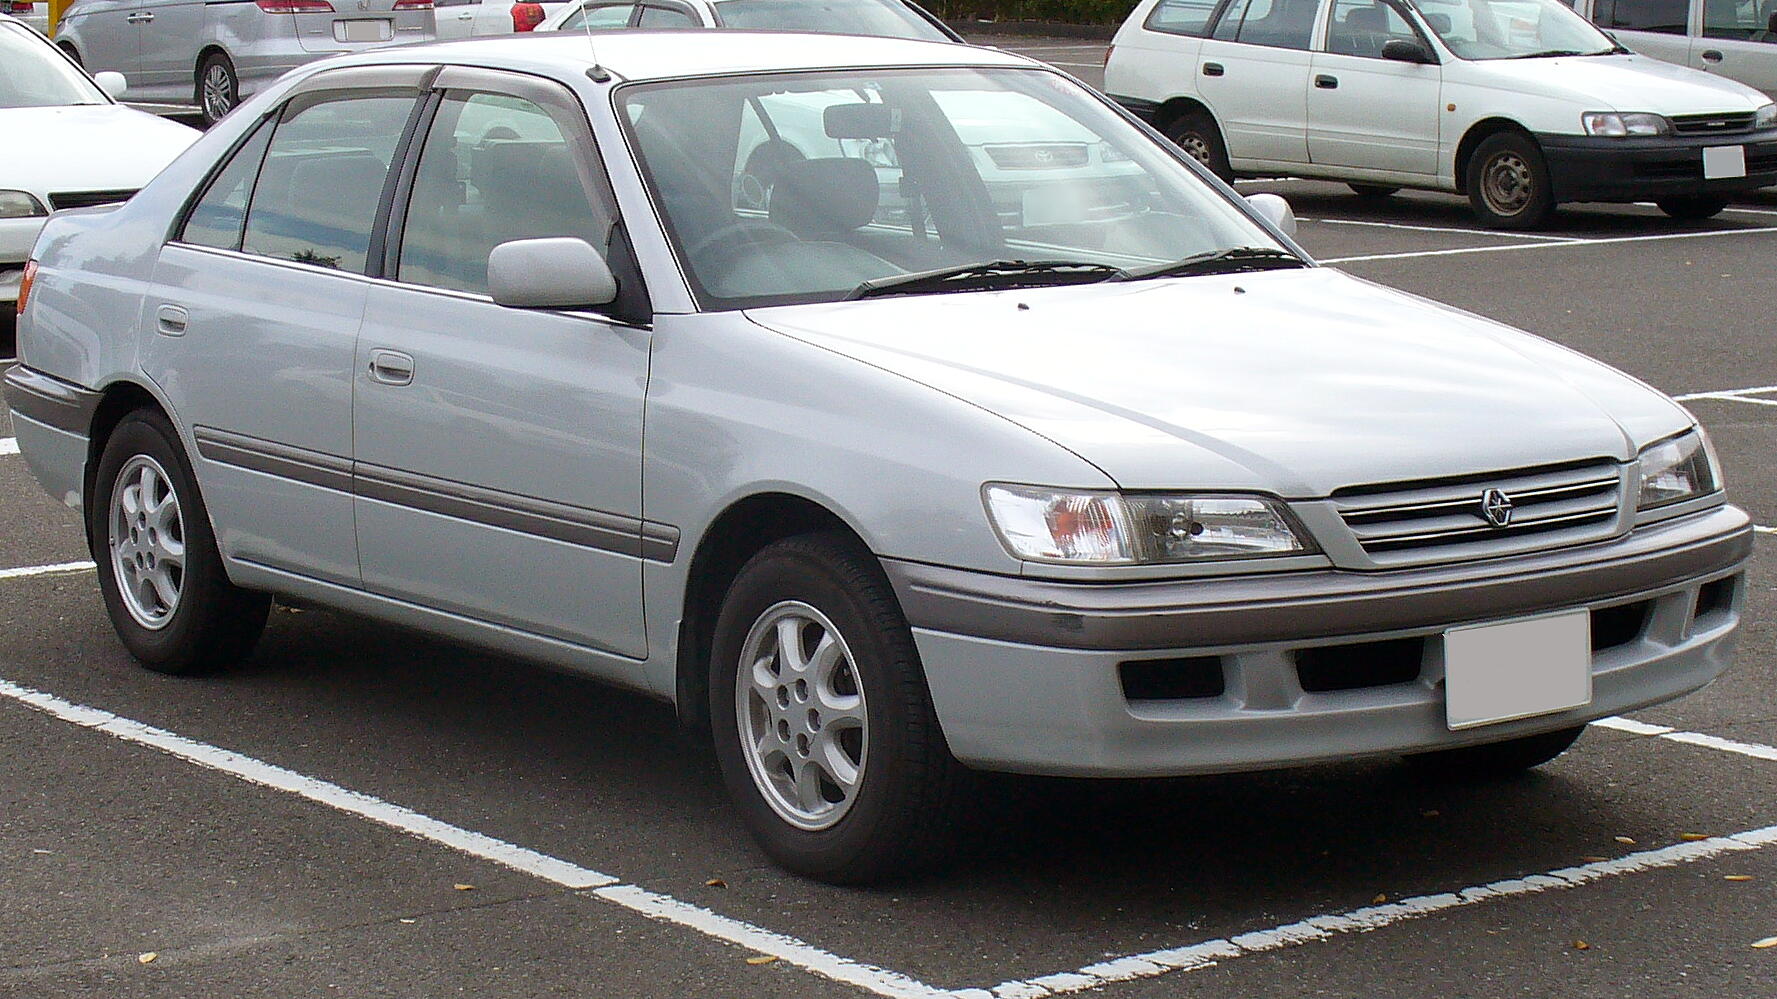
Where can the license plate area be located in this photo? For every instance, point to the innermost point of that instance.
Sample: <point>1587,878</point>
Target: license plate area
<point>1722,162</point>
<point>363,30</point>
<point>1507,670</point>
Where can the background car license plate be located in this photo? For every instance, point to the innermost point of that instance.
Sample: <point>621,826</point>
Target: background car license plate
<point>1517,669</point>
<point>377,30</point>
<point>1724,161</point>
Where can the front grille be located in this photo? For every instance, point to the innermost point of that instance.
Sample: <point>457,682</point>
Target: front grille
<point>1726,123</point>
<point>86,199</point>
<point>1410,522</point>
<point>1038,156</point>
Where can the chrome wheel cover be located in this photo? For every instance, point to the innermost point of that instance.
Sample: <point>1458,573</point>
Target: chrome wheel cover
<point>147,542</point>
<point>1507,183</point>
<point>800,708</point>
<point>218,91</point>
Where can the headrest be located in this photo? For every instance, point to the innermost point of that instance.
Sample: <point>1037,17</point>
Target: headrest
<point>334,188</point>
<point>1366,19</point>
<point>512,175</point>
<point>825,197</point>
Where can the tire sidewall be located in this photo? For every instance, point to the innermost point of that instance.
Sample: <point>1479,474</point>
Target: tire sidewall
<point>1541,203</point>
<point>1204,126</point>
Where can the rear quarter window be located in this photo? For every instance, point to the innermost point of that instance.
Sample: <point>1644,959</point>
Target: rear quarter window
<point>1182,17</point>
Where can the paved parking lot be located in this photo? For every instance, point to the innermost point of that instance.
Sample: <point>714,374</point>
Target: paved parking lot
<point>363,812</point>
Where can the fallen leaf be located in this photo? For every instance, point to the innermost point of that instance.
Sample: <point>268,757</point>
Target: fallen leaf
<point>1765,944</point>
<point>1581,945</point>
<point>1736,877</point>
<point>715,883</point>
<point>1693,837</point>
<point>463,887</point>
<point>1594,860</point>
<point>1379,899</point>
<point>147,957</point>
<point>762,959</point>
<point>1625,840</point>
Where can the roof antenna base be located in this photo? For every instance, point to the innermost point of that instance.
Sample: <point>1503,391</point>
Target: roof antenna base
<point>598,74</point>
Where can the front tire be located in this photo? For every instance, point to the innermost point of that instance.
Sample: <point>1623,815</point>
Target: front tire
<point>1197,134</point>
<point>1693,208</point>
<point>1508,182</point>
<point>160,574</point>
<point>823,725</point>
<point>218,88</point>
<point>1498,759</point>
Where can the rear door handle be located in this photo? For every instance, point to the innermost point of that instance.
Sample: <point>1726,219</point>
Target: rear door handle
<point>391,367</point>
<point>1712,55</point>
<point>1326,82</point>
<point>141,17</point>
<point>1212,69</point>
<point>171,320</point>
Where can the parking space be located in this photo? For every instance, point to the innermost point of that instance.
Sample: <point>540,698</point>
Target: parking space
<point>363,811</point>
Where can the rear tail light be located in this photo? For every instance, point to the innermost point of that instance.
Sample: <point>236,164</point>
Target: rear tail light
<point>413,4</point>
<point>20,8</point>
<point>295,6</point>
<point>1108,49</point>
<point>25,285</point>
<point>526,16</point>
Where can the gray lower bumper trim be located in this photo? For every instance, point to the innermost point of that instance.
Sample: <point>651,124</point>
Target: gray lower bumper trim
<point>49,400</point>
<point>1236,610</point>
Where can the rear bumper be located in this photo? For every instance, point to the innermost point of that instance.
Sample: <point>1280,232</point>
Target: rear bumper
<point>1584,168</point>
<point>1148,111</point>
<point>51,419</point>
<point>1026,675</point>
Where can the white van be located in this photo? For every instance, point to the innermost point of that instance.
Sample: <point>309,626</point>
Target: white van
<point>1520,104</point>
<point>1732,38</point>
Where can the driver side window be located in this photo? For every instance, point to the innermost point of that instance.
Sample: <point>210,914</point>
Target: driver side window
<point>1362,27</point>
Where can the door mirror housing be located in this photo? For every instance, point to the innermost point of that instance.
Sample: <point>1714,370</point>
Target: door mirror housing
<point>112,83</point>
<point>1275,210</point>
<point>1406,50</point>
<point>552,273</point>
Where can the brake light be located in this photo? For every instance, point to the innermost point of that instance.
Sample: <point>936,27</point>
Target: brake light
<point>1107,54</point>
<point>25,285</point>
<point>294,6</point>
<point>526,16</point>
<point>413,4</point>
<point>22,8</point>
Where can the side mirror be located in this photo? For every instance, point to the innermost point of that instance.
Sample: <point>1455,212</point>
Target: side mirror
<point>1406,50</point>
<point>554,273</point>
<point>1276,211</point>
<point>112,83</point>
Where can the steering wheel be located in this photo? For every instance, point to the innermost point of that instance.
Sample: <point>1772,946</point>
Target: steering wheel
<point>738,235</point>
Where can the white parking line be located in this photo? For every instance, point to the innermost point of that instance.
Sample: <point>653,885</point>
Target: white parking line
<point>1633,727</point>
<point>1439,228</point>
<point>9,445</point>
<point>45,570</point>
<point>1762,230</point>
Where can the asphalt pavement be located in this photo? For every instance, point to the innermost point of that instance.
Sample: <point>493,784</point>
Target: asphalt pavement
<point>362,811</point>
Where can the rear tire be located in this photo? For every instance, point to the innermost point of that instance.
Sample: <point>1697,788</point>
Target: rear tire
<point>1694,207</point>
<point>1197,134</point>
<point>160,574</point>
<point>1497,759</point>
<point>1373,191</point>
<point>1508,182</point>
<point>218,88</point>
<point>823,725</point>
<point>71,53</point>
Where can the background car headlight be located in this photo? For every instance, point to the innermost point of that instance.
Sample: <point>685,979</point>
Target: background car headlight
<point>19,205</point>
<point>1610,123</point>
<point>1678,468</point>
<point>1107,528</point>
<point>1765,117</point>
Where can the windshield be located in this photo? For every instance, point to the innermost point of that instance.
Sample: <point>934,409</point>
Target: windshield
<point>885,18</point>
<point>1512,29</point>
<point>36,75</point>
<point>804,187</point>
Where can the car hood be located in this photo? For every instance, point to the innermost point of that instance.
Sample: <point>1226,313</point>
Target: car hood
<point>88,147</point>
<point>1621,83</point>
<point>1295,382</point>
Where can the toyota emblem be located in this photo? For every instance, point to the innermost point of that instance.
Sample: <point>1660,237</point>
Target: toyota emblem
<point>1496,506</point>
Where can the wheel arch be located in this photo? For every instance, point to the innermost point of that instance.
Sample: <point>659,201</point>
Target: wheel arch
<point>197,67</point>
<point>68,49</point>
<point>1478,133</point>
<point>1174,108</point>
<point>116,401</point>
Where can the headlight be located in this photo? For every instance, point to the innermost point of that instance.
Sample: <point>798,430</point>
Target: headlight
<point>1610,123</point>
<point>1109,153</point>
<point>19,205</point>
<point>1765,117</point>
<point>1678,468</point>
<point>1107,528</point>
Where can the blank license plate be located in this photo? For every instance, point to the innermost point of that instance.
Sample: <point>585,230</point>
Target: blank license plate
<point>1517,669</point>
<point>1724,161</point>
<point>365,31</point>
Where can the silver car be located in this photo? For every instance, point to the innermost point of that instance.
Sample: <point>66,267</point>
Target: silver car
<point>213,54</point>
<point>475,338</point>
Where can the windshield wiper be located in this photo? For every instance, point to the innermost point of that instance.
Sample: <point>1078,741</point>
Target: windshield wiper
<point>1552,53</point>
<point>988,274</point>
<point>1230,261</point>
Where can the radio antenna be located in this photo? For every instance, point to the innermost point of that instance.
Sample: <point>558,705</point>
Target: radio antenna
<point>594,72</point>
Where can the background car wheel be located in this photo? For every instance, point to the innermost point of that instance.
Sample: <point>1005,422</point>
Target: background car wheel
<point>1497,759</point>
<point>69,51</point>
<point>1508,182</point>
<point>1196,133</point>
<point>159,572</point>
<point>218,89</point>
<point>1693,207</point>
<point>823,725</point>
<point>1372,190</point>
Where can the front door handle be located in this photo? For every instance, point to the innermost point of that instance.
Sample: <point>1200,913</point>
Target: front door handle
<point>140,17</point>
<point>1712,55</point>
<point>1212,69</point>
<point>1325,82</point>
<point>391,367</point>
<point>171,320</point>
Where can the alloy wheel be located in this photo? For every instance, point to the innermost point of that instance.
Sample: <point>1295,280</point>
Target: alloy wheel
<point>218,91</point>
<point>147,542</point>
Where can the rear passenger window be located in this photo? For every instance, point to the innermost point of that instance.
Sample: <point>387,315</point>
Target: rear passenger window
<point>1362,27</point>
<point>1667,17</point>
<point>318,192</point>
<point>665,17</point>
<point>218,217</point>
<point>1739,20</point>
<point>1284,24</point>
<point>1181,17</point>
<point>494,168</point>
<point>608,17</point>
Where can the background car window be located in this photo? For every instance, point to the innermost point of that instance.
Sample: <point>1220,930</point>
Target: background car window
<point>665,17</point>
<point>609,17</point>
<point>879,18</point>
<point>494,168</point>
<point>1362,27</point>
<point>1664,16</point>
<point>1181,17</point>
<point>779,130</point>
<point>1739,20</point>
<point>316,198</point>
<point>1285,24</point>
<point>220,215</point>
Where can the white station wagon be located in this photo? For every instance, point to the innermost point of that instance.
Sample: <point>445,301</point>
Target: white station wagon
<point>1519,104</point>
<point>479,338</point>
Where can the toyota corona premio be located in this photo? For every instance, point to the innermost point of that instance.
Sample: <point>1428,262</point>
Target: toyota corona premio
<point>880,477</point>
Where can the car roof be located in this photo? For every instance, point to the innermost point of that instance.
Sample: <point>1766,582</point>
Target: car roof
<point>657,55</point>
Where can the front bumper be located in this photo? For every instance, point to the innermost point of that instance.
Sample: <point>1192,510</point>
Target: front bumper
<point>1587,168</point>
<point>1029,675</point>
